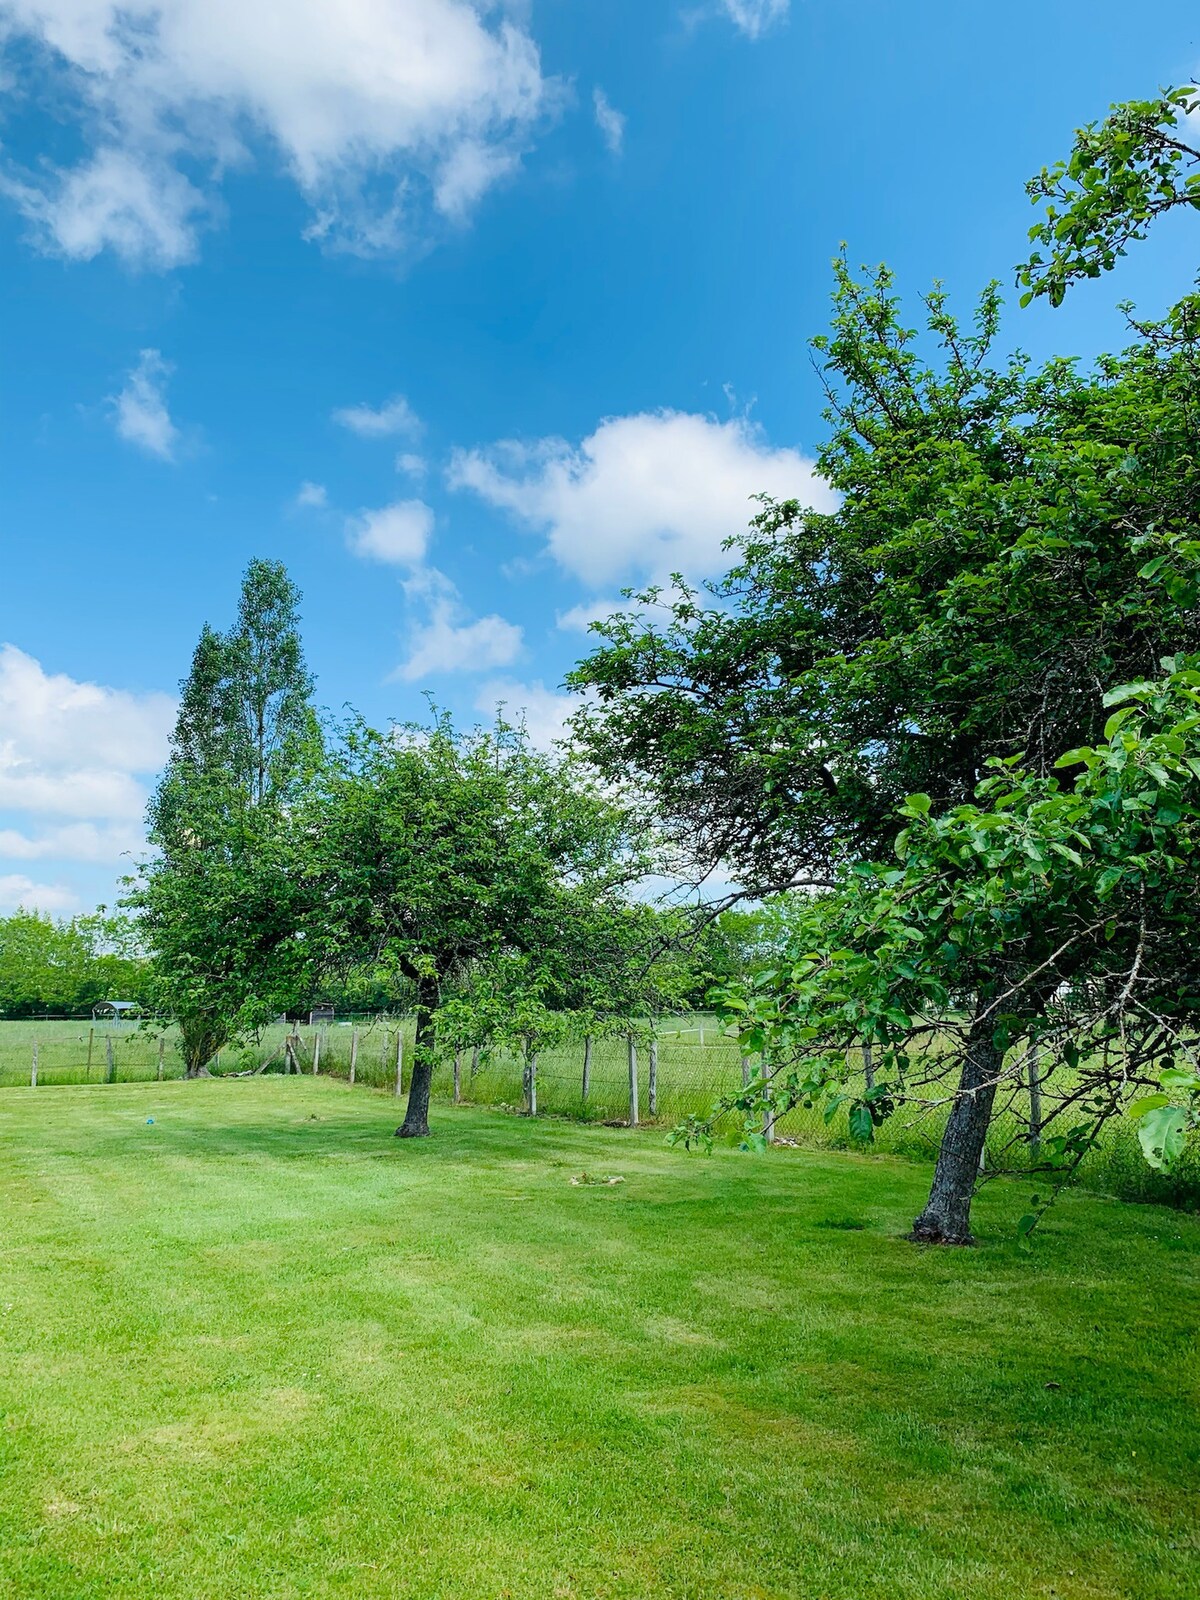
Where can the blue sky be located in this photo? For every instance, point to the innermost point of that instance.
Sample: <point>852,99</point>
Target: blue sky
<point>472,313</point>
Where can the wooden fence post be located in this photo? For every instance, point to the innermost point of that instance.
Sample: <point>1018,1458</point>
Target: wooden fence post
<point>399,1062</point>
<point>457,1077</point>
<point>587,1067</point>
<point>353,1053</point>
<point>633,1081</point>
<point>91,1036</point>
<point>316,1052</point>
<point>110,1073</point>
<point>653,1084</point>
<point>161,1048</point>
<point>33,1068</point>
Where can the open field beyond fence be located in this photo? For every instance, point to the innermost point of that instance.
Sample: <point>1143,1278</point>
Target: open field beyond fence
<point>696,1063</point>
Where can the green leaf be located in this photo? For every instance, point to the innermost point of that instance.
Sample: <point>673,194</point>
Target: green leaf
<point>861,1125</point>
<point>1162,1136</point>
<point>1127,691</point>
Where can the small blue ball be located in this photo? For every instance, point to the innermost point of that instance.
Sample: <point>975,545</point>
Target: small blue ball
<point>149,1122</point>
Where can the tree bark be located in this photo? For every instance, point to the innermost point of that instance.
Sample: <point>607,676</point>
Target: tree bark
<point>946,1218</point>
<point>416,1112</point>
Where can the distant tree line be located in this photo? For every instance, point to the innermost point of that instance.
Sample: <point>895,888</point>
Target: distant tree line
<point>64,966</point>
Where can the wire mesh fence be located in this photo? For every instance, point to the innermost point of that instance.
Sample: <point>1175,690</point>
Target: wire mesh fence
<point>689,1067</point>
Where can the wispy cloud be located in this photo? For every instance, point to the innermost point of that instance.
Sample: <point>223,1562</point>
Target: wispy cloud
<point>609,120</point>
<point>395,416</point>
<point>139,411</point>
<point>448,642</point>
<point>312,496</point>
<point>755,17</point>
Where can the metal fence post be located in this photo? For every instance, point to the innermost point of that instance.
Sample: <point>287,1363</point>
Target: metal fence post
<point>316,1052</point>
<point>457,1077</point>
<point>33,1068</point>
<point>587,1067</point>
<point>161,1047</point>
<point>91,1036</point>
<point>353,1053</point>
<point>653,1084</point>
<point>768,1105</point>
<point>633,1082</point>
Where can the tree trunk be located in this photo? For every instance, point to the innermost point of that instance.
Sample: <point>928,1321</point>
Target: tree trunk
<point>199,1040</point>
<point>946,1218</point>
<point>416,1113</point>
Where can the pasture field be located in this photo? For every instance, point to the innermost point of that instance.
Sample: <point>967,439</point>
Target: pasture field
<point>255,1346</point>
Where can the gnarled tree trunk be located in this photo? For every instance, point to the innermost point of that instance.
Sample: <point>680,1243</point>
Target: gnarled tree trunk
<point>416,1112</point>
<point>199,1040</point>
<point>946,1218</point>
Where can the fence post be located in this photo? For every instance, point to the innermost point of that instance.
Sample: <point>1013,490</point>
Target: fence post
<point>383,1050</point>
<point>745,1063</point>
<point>768,1105</point>
<point>457,1077</point>
<point>700,1030</point>
<point>353,1052</point>
<point>399,1062</point>
<point>653,1085</point>
<point>110,1074</point>
<point>33,1068</point>
<point>161,1047</point>
<point>530,1078</point>
<point>316,1052</point>
<point>587,1067</point>
<point>633,1081</point>
<point>868,1055</point>
<point>1034,1073</point>
<point>91,1036</point>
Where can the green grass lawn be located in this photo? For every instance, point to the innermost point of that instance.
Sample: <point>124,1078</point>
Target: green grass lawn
<point>260,1348</point>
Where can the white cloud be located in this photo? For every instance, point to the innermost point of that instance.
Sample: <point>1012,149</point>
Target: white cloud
<point>380,110</point>
<point>609,120</point>
<point>642,496</point>
<point>580,618</point>
<point>398,534</point>
<point>75,841</point>
<point>140,412</point>
<point>394,416</point>
<point>56,722</point>
<point>467,173</point>
<point>312,496</point>
<point>19,892</point>
<point>136,205</point>
<point>447,643</point>
<point>754,17</point>
<point>414,465</point>
<point>77,751</point>
<point>543,711</point>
